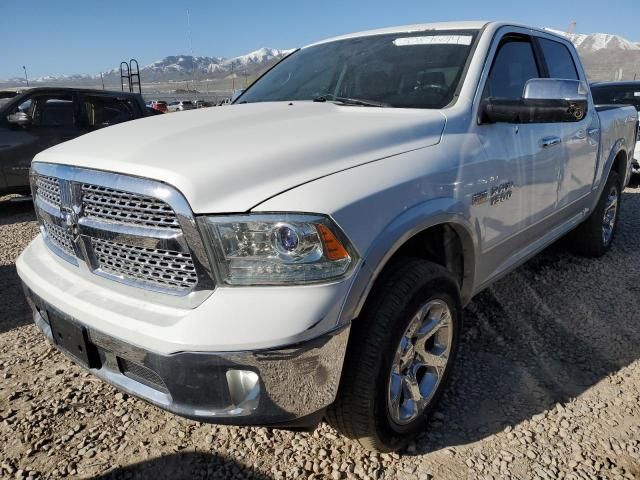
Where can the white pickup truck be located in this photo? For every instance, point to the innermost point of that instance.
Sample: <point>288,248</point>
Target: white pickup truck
<point>307,252</point>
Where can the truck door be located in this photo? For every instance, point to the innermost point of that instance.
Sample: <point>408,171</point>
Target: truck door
<point>580,140</point>
<point>16,143</point>
<point>523,160</point>
<point>53,121</point>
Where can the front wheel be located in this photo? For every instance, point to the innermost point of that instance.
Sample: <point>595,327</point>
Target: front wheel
<point>400,355</point>
<point>593,238</point>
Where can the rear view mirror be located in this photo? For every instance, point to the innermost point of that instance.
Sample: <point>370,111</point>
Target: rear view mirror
<point>544,100</point>
<point>555,89</point>
<point>19,118</point>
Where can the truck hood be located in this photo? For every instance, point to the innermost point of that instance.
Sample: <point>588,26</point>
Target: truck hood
<point>229,159</point>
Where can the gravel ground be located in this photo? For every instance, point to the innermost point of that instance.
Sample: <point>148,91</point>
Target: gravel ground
<point>547,386</point>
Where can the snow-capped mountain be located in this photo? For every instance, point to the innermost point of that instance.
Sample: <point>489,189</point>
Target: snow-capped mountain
<point>186,63</point>
<point>598,41</point>
<point>174,68</point>
<point>605,56</point>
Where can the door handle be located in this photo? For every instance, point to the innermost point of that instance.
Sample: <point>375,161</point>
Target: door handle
<point>550,142</point>
<point>593,136</point>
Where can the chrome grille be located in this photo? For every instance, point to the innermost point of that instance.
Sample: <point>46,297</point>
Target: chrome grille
<point>117,206</point>
<point>163,268</point>
<point>48,189</point>
<point>59,237</point>
<point>130,234</point>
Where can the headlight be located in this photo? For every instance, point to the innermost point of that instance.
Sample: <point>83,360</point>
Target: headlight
<point>275,249</point>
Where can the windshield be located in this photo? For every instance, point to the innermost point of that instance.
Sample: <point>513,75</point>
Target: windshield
<point>617,94</point>
<point>417,70</point>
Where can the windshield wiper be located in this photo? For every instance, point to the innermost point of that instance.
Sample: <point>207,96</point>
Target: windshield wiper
<point>350,101</point>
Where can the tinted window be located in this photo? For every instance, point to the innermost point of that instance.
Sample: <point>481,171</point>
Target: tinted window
<point>513,66</point>
<point>617,94</point>
<point>53,111</point>
<point>558,58</point>
<point>420,70</point>
<point>104,111</point>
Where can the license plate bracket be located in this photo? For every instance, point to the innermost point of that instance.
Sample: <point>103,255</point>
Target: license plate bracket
<point>74,340</point>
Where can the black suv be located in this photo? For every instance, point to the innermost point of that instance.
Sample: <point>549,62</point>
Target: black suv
<point>40,118</point>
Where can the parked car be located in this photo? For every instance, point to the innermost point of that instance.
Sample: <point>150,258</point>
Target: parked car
<point>180,105</point>
<point>620,93</point>
<point>159,105</point>
<point>203,104</point>
<point>316,262</point>
<point>40,118</point>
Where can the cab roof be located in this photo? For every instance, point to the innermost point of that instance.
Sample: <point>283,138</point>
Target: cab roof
<point>30,90</point>
<point>418,27</point>
<point>442,26</point>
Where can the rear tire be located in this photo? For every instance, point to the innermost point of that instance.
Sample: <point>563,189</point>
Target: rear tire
<point>594,236</point>
<point>411,324</point>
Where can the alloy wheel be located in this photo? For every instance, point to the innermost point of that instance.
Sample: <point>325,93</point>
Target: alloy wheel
<point>420,361</point>
<point>610,215</point>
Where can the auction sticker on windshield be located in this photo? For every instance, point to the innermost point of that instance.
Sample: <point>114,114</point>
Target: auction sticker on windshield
<point>434,40</point>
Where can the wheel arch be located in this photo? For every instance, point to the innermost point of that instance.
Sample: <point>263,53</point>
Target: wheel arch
<point>617,161</point>
<point>446,239</point>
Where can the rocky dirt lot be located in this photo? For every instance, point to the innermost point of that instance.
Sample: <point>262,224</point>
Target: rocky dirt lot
<point>547,386</point>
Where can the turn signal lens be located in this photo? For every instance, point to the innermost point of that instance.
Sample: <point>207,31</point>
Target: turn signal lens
<point>334,250</point>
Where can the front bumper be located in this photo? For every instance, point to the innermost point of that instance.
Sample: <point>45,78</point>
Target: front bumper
<point>288,386</point>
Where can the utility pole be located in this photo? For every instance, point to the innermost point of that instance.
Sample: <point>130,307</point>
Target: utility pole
<point>233,80</point>
<point>25,75</point>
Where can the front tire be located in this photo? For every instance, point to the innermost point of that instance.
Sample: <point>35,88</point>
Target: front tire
<point>594,236</point>
<point>400,355</point>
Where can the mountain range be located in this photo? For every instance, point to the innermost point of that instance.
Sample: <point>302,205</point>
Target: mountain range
<point>605,57</point>
<point>174,68</point>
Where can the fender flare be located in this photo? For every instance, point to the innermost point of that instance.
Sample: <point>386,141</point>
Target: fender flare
<point>404,227</point>
<point>618,146</point>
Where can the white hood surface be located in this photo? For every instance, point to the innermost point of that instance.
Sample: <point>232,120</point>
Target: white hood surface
<point>229,159</point>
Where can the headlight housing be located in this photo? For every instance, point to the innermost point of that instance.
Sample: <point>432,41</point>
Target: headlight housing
<point>277,249</point>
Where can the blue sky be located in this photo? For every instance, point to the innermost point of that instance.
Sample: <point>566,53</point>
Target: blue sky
<point>81,36</point>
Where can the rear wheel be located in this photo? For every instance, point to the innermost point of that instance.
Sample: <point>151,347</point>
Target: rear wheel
<point>593,238</point>
<point>400,355</point>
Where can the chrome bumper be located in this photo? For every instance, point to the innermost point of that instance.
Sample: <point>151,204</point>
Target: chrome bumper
<point>286,387</point>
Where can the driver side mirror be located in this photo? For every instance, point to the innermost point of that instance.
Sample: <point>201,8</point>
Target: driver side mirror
<point>19,118</point>
<point>544,100</point>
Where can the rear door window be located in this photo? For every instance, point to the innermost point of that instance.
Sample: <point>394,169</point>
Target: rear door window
<point>558,59</point>
<point>103,111</point>
<point>52,111</point>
